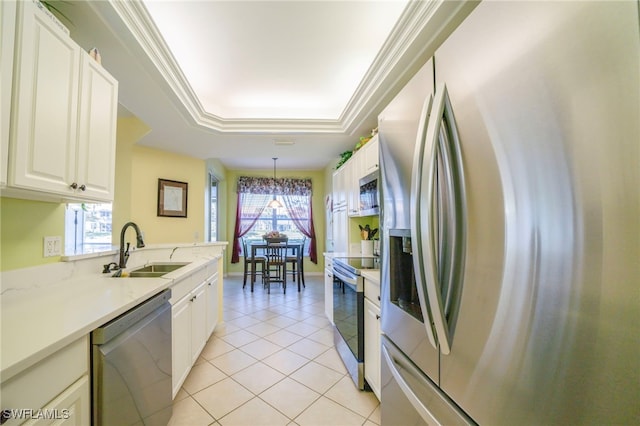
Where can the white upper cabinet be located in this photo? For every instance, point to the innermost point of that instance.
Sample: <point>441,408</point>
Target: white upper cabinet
<point>354,171</point>
<point>45,104</point>
<point>7,41</point>
<point>96,160</point>
<point>346,180</point>
<point>370,156</point>
<point>339,186</point>
<point>63,115</point>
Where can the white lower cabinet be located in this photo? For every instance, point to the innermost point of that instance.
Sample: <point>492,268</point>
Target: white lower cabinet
<point>372,346</point>
<point>328,288</point>
<point>198,321</point>
<point>180,342</point>
<point>55,390</point>
<point>71,408</point>
<point>372,337</point>
<point>212,303</point>
<point>194,311</point>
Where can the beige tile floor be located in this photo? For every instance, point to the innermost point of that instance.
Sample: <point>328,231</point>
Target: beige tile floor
<point>272,362</point>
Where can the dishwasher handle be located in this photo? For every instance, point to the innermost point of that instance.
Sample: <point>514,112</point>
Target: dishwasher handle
<point>118,325</point>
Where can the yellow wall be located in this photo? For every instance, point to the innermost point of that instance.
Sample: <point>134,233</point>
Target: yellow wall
<point>318,187</point>
<point>24,223</point>
<point>354,228</point>
<point>23,226</point>
<point>130,131</point>
<point>147,166</point>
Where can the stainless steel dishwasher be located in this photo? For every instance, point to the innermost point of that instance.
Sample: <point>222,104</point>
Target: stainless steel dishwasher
<point>131,366</point>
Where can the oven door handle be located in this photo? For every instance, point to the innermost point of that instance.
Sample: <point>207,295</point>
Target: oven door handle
<point>350,281</point>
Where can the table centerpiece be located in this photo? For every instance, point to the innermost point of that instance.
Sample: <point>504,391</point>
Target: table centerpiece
<point>275,237</point>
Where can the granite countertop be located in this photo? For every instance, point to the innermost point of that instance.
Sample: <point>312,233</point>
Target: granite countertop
<point>63,303</point>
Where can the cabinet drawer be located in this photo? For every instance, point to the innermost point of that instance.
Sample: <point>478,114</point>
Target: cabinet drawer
<point>35,387</point>
<point>185,286</point>
<point>372,291</point>
<point>70,408</point>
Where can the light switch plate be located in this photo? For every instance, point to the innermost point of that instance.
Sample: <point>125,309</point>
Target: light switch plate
<point>52,246</point>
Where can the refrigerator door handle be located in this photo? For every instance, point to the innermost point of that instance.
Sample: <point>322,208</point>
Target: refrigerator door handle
<point>429,401</point>
<point>416,241</point>
<point>445,221</point>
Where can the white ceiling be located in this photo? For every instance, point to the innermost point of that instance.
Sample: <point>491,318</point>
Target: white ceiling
<point>275,59</point>
<point>233,79</point>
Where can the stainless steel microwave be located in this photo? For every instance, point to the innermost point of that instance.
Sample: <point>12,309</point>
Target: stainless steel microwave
<point>369,194</point>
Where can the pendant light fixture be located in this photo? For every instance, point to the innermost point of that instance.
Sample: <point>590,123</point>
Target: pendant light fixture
<point>274,204</point>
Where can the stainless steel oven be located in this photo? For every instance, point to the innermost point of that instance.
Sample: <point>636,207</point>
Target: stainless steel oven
<point>348,313</point>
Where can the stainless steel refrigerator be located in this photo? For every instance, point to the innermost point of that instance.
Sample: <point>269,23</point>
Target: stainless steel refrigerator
<point>511,222</point>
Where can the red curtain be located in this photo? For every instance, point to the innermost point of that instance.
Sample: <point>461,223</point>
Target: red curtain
<point>249,208</point>
<point>300,211</point>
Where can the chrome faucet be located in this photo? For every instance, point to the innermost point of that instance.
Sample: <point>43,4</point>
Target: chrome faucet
<point>124,254</point>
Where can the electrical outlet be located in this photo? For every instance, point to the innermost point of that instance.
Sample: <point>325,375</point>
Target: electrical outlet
<point>52,246</point>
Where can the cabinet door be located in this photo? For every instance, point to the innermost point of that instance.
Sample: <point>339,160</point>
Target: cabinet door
<point>353,175</point>
<point>70,408</point>
<point>340,231</point>
<point>44,133</point>
<point>372,346</point>
<point>212,304</point>
<point>198,321</point>
<point>328,292</point>
<point>7,40</point>
<point>339,190</point>
<point>181,341</point>
<point>371,156</point>
<point>95,171</point>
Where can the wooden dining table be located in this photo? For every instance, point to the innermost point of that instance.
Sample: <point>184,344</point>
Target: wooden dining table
<point>296,250</point>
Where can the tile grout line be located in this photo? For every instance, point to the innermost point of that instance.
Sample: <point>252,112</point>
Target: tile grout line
<point>257,311</point>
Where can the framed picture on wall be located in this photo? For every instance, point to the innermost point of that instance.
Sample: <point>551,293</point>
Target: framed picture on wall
<point>172,198</point>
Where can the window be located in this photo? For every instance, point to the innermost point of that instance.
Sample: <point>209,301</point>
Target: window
<point>254,218</point>
<point>279,220</point>
<point>87,228</point>
<point>213,208</point>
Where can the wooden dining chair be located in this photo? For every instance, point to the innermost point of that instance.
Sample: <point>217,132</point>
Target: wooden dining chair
<point>251,265</point>
<point>275,271</point>
<point>295,263</point>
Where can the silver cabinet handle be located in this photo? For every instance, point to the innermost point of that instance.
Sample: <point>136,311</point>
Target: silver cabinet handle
<point>73,186</point>
<point>83,187</point>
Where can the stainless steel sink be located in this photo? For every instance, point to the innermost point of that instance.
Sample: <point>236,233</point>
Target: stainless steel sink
<point>156,269</point>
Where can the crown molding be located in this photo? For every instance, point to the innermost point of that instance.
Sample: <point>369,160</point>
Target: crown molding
<point>395,63</point>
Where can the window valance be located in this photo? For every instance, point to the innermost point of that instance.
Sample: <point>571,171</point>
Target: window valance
<point>281,186</point>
